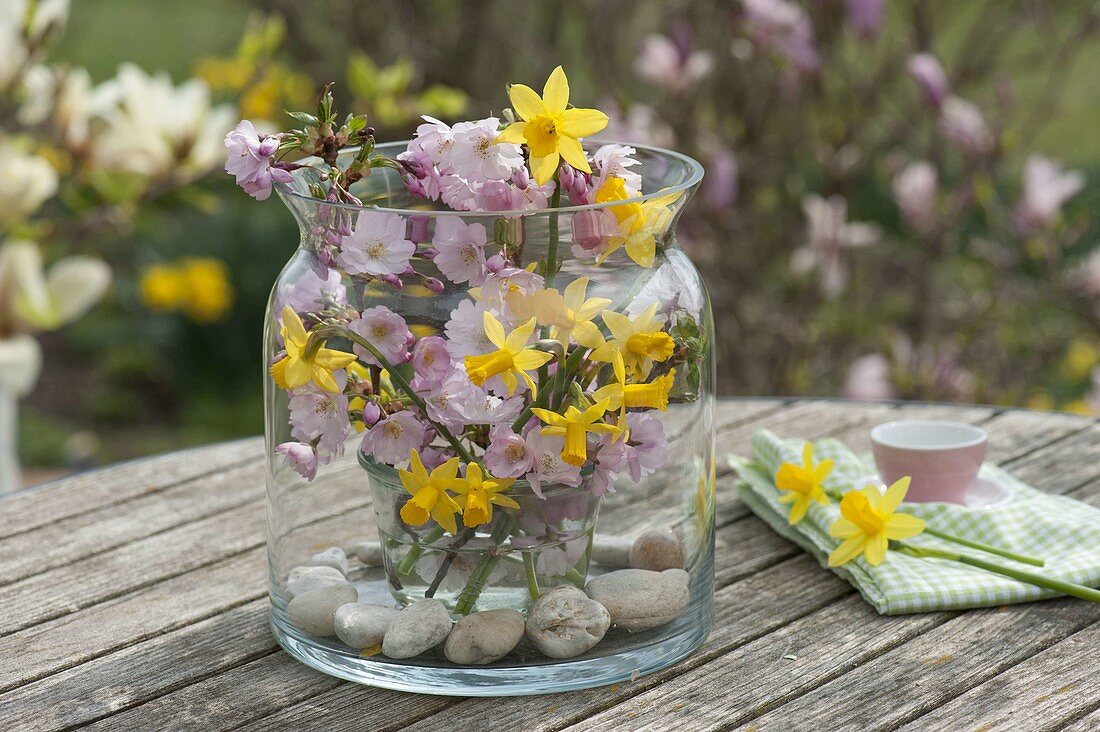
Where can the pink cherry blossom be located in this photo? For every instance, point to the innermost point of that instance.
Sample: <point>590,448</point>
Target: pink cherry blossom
<point>377,246</point>
<point>475,157</point>
<point>460,250</point>
<point>312,292</point>
<point>320,417</point>
<point>466,330</point>
<point>646,448</point>
<point>547,467</point>
<point>456,192</point>
<point>430,359</point>
<point>915,190</point>
<point>501,195</point>
<point>593,231</point>
<point>250,159</point>
<point>301,457</point>
<point>962,124</point>
<point>610,461</point>
<point>386,331</point>
<point>508,455</point>
<point>391,439</point>
<point>927,71</point>
<point>617,160</point>
<point>1047,187</point>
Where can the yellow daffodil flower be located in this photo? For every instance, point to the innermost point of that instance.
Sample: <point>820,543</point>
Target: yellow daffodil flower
<point>479,492</point>
<point>512,357</point>
<point>640,341</point>
<point>621,395</point>
<point>570,313</point>
<point>429,493</point>
<point>641,224</point>
<point>550,130</point>
<point>297,368</point>
<point>575,425</point>
<point>802,483</point>
<point>868,522</point>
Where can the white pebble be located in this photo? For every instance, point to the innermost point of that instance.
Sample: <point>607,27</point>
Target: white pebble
<point>680,575</point>
<point>312,569</point>
<point>419,627</point>
<point>313,612</point>
<point>564,623</point>
<point>484,637</point>
<point>368,552</point>
<point>639,599</point>
<point>657,549</point>
<point>315,580</point>
<point>611,551</point>
<point>333,557</point>
<point>360,625</point>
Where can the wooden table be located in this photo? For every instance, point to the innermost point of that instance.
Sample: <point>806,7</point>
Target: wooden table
<point>134,597</point>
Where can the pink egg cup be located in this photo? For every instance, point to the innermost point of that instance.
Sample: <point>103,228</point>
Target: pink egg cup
<point>941,458</point>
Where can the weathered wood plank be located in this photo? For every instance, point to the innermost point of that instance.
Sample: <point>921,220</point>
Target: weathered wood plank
<point>351,707</point>
<point>30,509</point>
<point>1086,723</point>
<point>936,666</point>
<point>781,665</point>
<point>140,672</point>
<point>99,530</point>
<point>1043,692</point>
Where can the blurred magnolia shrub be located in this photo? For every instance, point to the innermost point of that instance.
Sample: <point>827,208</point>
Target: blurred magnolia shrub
<point>877,218</point>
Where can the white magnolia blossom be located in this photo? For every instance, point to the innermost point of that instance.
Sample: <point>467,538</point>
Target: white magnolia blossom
<point>66,99</point>
<point>830,233</point>
<point>915,190</point>
<point>961,122</point>
<point>869,378</point>
<point>18,26</point>
<point>26,182</point>
<point>157,129</point>
<point>1047,187</point>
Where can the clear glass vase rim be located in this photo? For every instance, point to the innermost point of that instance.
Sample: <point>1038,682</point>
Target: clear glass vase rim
<point>694,176</point>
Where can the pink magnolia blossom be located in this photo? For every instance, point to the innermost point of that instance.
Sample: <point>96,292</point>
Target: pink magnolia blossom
<point>646,448</point>
<point>962,124</point>
<point>915,190</point>
<point>783,26</point>
<point>460,250</point>
<point>391,439</point>
<point>377,246</point>
<point>430,359</point>
<point>508,455</point>
<point>830,234</point>
<point>385,330</point>
<point>869,378</point>
<point>927,71</point>
<point>250,159</point>
<point>671,66</point>
<point>865,16</point>
<point>547,466</point>
<point>1087,274</point>
<point>1047,187</point>
<point>301,457</point>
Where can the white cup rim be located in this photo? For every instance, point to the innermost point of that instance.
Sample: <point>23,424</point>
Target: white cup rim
<point>888,435</point>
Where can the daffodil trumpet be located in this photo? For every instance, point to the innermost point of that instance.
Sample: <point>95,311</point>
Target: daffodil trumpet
<point>511,359</point>
<point>1032,578</point>
<point>575,425</point>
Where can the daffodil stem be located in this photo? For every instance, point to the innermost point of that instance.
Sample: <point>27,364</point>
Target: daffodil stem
<point>472,591</point>
<point>417,551</point>
<point>396,378</point>
<point>532,578</point>
<point>448,560</point>
<point>1066,588</point>
<point>552,247</point>
<point>1022,558</point>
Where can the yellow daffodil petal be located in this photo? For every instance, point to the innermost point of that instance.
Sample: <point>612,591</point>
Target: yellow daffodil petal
<point>510,381</point>
<point>642,248</point>
<point>547,416</point>
<point>543,168</point>
<point>444,517</point>
<point>798,510</point>
<point>503,501</point>
<point>296,373</point>
<point>808,455</point>
<point>494,331</point>
<point>903,526</point>
<point>513,133</point>
<point>526,101</point>
<point>555,93</point>
<point>821,472</point>
<point>278,372</point>
<point>842,528</point>
<point>570,149</point>
<point>293,329</point>
<point>847,551</point>
<point>583,122</point>
<point>587,334</point>
<point>895,494</point>
<point>876,549</point>
<point>518,338</point>
<point>323,378</point>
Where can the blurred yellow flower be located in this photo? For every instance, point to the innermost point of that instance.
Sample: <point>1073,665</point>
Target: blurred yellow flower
<point>869,521</point>
<point>197,286</point>
<point>803,483</point>
<point>1081,357</point>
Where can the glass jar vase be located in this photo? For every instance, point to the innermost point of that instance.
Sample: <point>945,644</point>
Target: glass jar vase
<point>527,405</point>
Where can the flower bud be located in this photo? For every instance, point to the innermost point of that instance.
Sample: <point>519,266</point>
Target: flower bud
<point>371,414</point>
<point>496,263</point>
<point>434,285</point>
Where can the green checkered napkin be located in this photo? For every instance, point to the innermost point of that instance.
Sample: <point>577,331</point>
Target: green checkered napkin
<point>1060,530</point>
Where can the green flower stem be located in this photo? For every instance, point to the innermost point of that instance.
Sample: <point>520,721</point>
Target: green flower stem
<point>1022,558</point>
<point>576,578</point>
<point>552,247</point>
<point>1066,588</point>
<point>468,597</point>
<point>532,578</point>
<point>329,331</point>
<point>418,549</point>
